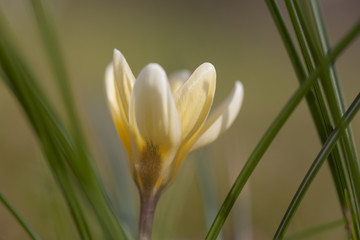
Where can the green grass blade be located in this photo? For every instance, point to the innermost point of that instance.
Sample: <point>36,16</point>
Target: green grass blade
<point>58,147</point>
<point>256,155</point>
<point>314,98</point>
<point>84,169</point>
<point>78,157</point>
<point>323,126</point>
<point>207,183</point>
<point>338,98</point>
<point>316,38</point>
<point>317,107</point>
<point>17,77</point>
<point>270,134</point>
<point>315,167</point>
<point>32,234</point>
<point>316,230</point>
<point>57,64</point>
<point>286,37</point>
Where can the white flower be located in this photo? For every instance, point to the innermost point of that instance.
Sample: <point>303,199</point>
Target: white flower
<point>160,121</point>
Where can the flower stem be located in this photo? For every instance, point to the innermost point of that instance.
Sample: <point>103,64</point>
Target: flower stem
<point>147,211</point>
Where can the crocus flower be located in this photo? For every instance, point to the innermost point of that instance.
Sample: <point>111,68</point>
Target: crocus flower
<point>161,120</point>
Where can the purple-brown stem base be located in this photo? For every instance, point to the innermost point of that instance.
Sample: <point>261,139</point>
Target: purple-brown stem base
<point>147,211</point>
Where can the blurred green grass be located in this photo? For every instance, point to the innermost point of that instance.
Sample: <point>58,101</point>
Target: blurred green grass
<point>240,39</point>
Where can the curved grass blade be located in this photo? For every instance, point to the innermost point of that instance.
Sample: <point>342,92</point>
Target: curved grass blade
<point>316,230</point>
<point>32,234</point>
<point>315,167</point>
<point>324,127</point>
<point>57,146</point>
<point>19,80</point>
<point>270,134</point>
<point>206,180</point>
<point>57,64</point>
<point>318,45</point>
<point>73,149</point>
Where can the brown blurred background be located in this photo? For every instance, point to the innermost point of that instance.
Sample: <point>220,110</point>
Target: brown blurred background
<point>240,39</point>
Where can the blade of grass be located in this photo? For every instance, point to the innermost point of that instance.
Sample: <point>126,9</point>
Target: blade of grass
<point>315,167</point>
<point>316,230</point>
<point>207,183</point>
<point>314,98</point>
<point>18,79</point>
<point>84,170</point>
<point>332,89</point>
<point>80,163</point>
<point>324,128</point>
<point>57,64</point>
<point>270,134</point>
<point>61,151</point>
<point>338,97</point>
<point>334,163</point>
<point>32,234</point>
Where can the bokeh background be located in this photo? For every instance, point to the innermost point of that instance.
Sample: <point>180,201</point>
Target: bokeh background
<point>240,39</point>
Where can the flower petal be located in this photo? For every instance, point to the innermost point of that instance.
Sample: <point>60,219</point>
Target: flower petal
<point>177,79</point>
<point>124,79</point>
<point>117,111</point>
<point>194,99</point>
<point>153,114</point>
<point>222,117</point>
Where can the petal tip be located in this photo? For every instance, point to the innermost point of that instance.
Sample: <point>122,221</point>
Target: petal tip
<point>109,74</point>
<point>239,91</point>
<point>153,69</point>
<point>239,85</point>
<point>207,66</point>
<point>118,56</point>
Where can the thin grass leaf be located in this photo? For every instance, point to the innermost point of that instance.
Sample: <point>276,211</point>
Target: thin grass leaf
<point>58,147</point>
<point>322,121</point>
<point>305,234</point>
<point>271,133</point>
<point>315,167</point>
<point>331,84</point>
<point>32,234</point>
<point>334,80</point>
<point>57,64</point>
<point>324,127</point>
<point>207,183</point>
<point>17,77</point>
<point>84,169</point>
<point>287,40</point>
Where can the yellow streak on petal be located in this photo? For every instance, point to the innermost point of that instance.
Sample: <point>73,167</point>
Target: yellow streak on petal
<point>124,134</point>
<point>221,118</point>
<point>124,80</point>
<point>117,110</point>
<point>194,99</point>
<point>217,122</point>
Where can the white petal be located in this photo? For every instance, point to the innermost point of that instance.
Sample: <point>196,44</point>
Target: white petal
<point>153,111</point>
<point>194,99</point>
<point>222,118</point>
<point>119,117</point>
<point>111,89</point>
<point>177,79</point>
<point>124,79</point>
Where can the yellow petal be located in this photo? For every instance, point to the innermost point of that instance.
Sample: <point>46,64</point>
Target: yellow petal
<point>117,111</point>
<point>177,79</point>
<point>222,117</point>
<point>194,99</point>
<point>153,114</point>
<point>124,79</point>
